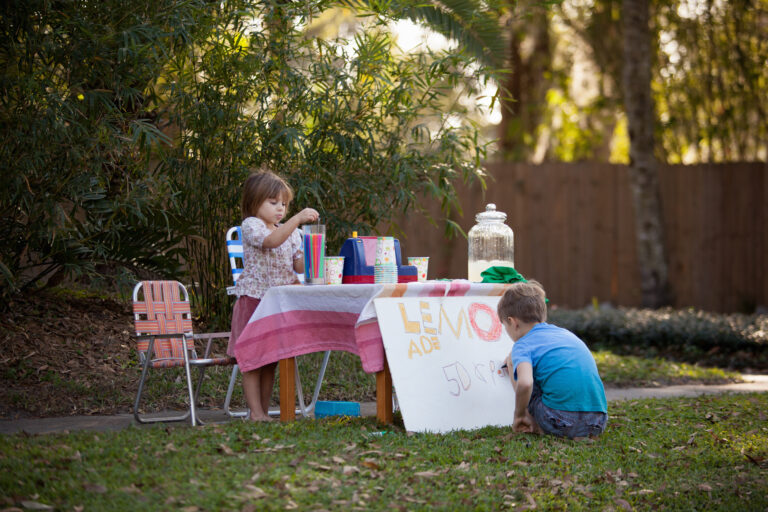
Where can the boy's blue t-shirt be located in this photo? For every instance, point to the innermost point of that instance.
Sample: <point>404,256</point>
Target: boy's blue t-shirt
<point>563,367</point>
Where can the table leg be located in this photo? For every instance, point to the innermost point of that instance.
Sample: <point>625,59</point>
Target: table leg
<point>287,369</point>
<point>384,395</point>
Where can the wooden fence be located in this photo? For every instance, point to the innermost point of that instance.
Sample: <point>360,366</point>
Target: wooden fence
<point>574,232</point>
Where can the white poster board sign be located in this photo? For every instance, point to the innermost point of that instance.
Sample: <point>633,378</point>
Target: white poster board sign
<point>444,355</point>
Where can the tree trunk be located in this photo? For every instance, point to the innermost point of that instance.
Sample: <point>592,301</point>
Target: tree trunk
<point>643,168</point>
<point>522,110</point>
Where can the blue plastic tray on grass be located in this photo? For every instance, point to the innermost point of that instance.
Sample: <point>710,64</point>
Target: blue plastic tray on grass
<point>323,409</point>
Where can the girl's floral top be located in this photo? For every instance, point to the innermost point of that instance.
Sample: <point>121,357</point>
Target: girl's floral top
<point>265,268</point>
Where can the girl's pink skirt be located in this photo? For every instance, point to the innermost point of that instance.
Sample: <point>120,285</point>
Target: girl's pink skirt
<point>244,308</point>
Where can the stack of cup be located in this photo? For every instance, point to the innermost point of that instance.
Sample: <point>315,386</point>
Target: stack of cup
<point>385,266</point>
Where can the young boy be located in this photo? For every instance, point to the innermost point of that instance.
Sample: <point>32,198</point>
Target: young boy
<point>557,388</point>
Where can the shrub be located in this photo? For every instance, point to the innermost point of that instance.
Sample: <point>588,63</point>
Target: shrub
<point>734,340</point>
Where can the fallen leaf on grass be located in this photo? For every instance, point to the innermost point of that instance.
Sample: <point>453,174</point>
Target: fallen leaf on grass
<point>253,492</point>
<point>583,490</point>
<point>427,474</point>
<point>348,470</point>
<point>705,487</point>
<point>531,502</point>
<point>338,460</point>
<point>75,457</point>
<point>624,504</point>
<point>760,462</point>
<point>226,450</point>
<point>97,488</point>
<point>370,464</point>
<point>319,466</point>
<point>34,505</point>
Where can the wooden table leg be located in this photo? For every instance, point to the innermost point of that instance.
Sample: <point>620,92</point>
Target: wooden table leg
<point>287,369</point>
<point>384,395</point>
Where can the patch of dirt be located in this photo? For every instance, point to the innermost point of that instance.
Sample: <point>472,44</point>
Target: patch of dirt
<point>73,354</point>
<point>65,356</point>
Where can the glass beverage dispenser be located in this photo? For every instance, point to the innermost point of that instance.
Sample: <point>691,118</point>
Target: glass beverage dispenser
<point>491,243</point>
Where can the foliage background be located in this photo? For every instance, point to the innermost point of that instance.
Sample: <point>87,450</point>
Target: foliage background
<point>567,102</point>
<point>129,127</point>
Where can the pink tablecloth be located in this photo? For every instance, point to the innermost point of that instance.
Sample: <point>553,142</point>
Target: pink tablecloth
<point>296,320</point>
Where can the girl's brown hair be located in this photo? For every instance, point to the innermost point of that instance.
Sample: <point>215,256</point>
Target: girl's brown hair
<point>524,301</point>
<point>259,187</point>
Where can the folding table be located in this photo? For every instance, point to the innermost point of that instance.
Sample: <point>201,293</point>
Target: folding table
<point>300,319</point>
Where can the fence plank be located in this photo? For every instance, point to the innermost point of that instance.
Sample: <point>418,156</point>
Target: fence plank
<point>574,232</point>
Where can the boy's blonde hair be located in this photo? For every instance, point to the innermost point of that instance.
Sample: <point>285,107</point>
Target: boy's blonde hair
<point>259,187</point>
<point>524,301</point>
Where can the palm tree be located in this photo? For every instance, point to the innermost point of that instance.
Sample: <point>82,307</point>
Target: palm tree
<point>469,22</point>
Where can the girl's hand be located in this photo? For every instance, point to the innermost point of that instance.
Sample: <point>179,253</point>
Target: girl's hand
<point>307,215</point>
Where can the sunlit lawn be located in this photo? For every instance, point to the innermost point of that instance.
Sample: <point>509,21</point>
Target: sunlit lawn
<point>346,380</point>
<point>706,453</point>
<point>624,371</point>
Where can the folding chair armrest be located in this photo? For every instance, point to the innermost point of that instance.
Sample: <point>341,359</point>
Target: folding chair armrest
<point>166,335</point>
<point>210,336</point>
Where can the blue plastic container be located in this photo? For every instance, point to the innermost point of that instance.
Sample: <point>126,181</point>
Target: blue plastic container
<point>359,269</point>
<point>323,409</point>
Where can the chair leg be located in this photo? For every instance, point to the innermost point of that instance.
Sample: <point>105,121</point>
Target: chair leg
<point>191,390</point>
<point>228,399</point>
<point>144,373</point>
<point>199,383</point>
<point>304,409</point>
<point>320,378</point>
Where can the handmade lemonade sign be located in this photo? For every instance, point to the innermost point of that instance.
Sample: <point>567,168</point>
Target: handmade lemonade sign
<point>445,355</point>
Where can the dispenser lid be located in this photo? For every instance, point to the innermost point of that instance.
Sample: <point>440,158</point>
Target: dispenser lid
<point>490,214</point>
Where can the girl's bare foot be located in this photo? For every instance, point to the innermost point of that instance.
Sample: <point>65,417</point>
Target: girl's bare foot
<point>261,417</point>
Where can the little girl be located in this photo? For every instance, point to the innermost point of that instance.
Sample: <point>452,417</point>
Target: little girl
<point>272,256</point>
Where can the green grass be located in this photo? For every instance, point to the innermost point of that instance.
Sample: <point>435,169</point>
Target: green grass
<point>625,371</point>
<point>346,380</point>
<point>706,453</point>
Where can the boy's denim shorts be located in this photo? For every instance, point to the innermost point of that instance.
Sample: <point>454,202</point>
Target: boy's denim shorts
<point>565,423</point>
